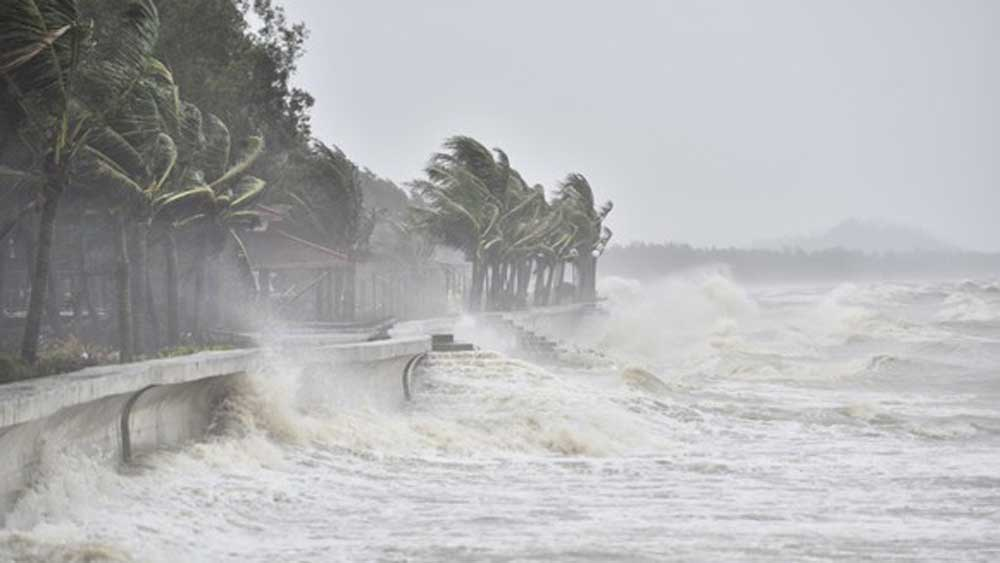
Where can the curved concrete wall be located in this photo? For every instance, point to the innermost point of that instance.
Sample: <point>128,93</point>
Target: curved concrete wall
<point>162,416</point>
<point>115,412</point>
<point>92,428</point>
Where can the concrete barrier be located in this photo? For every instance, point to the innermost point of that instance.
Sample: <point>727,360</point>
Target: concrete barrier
<point>116,412</point>
<point>562,322</point>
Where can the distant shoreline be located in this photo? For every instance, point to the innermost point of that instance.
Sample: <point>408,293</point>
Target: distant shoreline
<point>645,261</point>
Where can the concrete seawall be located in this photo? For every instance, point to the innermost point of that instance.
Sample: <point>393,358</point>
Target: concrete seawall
<point>113,413</point>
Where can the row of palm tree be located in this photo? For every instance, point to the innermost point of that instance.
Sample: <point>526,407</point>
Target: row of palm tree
<point>103,127</point>
<point>474,200</point>
<point>104,136</point>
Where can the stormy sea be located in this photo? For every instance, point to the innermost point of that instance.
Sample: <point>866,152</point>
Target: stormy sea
<point>690,419</point>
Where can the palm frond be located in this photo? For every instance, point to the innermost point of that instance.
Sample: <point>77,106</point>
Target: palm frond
<point>38,47</point>
<point>190,202</point>
<point>252,151</point>
<point>110,146</point>
<point>163,158</point>
<point>100,173</point>
<point>122,57</point>
<point>214,159</point>
<point>249,191</point>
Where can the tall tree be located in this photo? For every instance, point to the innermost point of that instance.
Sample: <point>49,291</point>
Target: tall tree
<point>65,85</point>
<point>591,236</point>
<point>217,205</point>
<point>325,190</point>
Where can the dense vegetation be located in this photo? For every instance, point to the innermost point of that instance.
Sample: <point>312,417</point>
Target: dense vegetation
<point>474,200</point>
<point>143,143</point>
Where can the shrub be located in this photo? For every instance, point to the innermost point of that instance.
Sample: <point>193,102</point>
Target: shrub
<point>56,357</point>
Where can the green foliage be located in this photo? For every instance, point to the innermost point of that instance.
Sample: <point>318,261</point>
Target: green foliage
<point>577,198</point>
<point>474,200</point>
<point>241,75</point>
<point>324,190</point>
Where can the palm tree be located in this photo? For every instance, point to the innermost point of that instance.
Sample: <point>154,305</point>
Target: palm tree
<point>65,87</point>
<point>462,218</point>
<point>522,225</point>
<point>127,164</point>
<point>218,205</point>
<point>470,194</point>
<point>324,188</point>
<point>129,178</point>
<point>184,123</point>
<point>591,236</point>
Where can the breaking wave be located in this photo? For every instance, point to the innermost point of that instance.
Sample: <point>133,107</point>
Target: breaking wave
<point>719,407</point>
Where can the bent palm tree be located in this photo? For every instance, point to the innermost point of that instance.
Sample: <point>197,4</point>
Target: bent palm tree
<point>64,87</point>
<point>327,198</point>
<point>591,236</point>
<point>470,195</point>
<point>129,178</point>
<point>218,206</point>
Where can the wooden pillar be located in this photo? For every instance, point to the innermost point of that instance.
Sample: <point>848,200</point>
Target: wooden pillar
<point>318,307</point>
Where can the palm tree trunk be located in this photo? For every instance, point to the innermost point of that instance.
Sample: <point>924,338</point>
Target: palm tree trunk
<point>541,285</point>
<point>40,277</point>
<point>484,272</point>
<point>523,280</point>
<point>510,273</point>
<point>27,251</point>
<point>592,279</point>
<point>124,294</point>
<point>139,247</point>
<point>488,286</point>
<point>496,286</point>
<point>350,289</point>
<point>539,282</point>
<point>476,290</point>
<point>586,278</point>
<point>503,293</point>
<point>53,307</point>
<point>151,317</point>
<point>558,273</point>
<point>173,292</point>
<point>199,296</point>
<point>82,299</point>
<point>213,307</point>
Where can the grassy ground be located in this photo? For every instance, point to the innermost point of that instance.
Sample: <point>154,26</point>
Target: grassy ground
<point>57,357</point>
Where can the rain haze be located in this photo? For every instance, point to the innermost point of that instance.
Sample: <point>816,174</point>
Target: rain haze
<point>463,281</point>
<point>713,123</point>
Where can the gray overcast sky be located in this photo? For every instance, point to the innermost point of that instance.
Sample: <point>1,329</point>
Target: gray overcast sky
<point>710,122</point>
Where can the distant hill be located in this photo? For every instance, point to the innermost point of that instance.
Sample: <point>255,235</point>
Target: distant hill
<point>643,261</point>
<point>863,236</point>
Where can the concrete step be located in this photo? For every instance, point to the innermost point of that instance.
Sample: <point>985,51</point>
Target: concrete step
<point>453,347</point>
<point>442,339</point>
